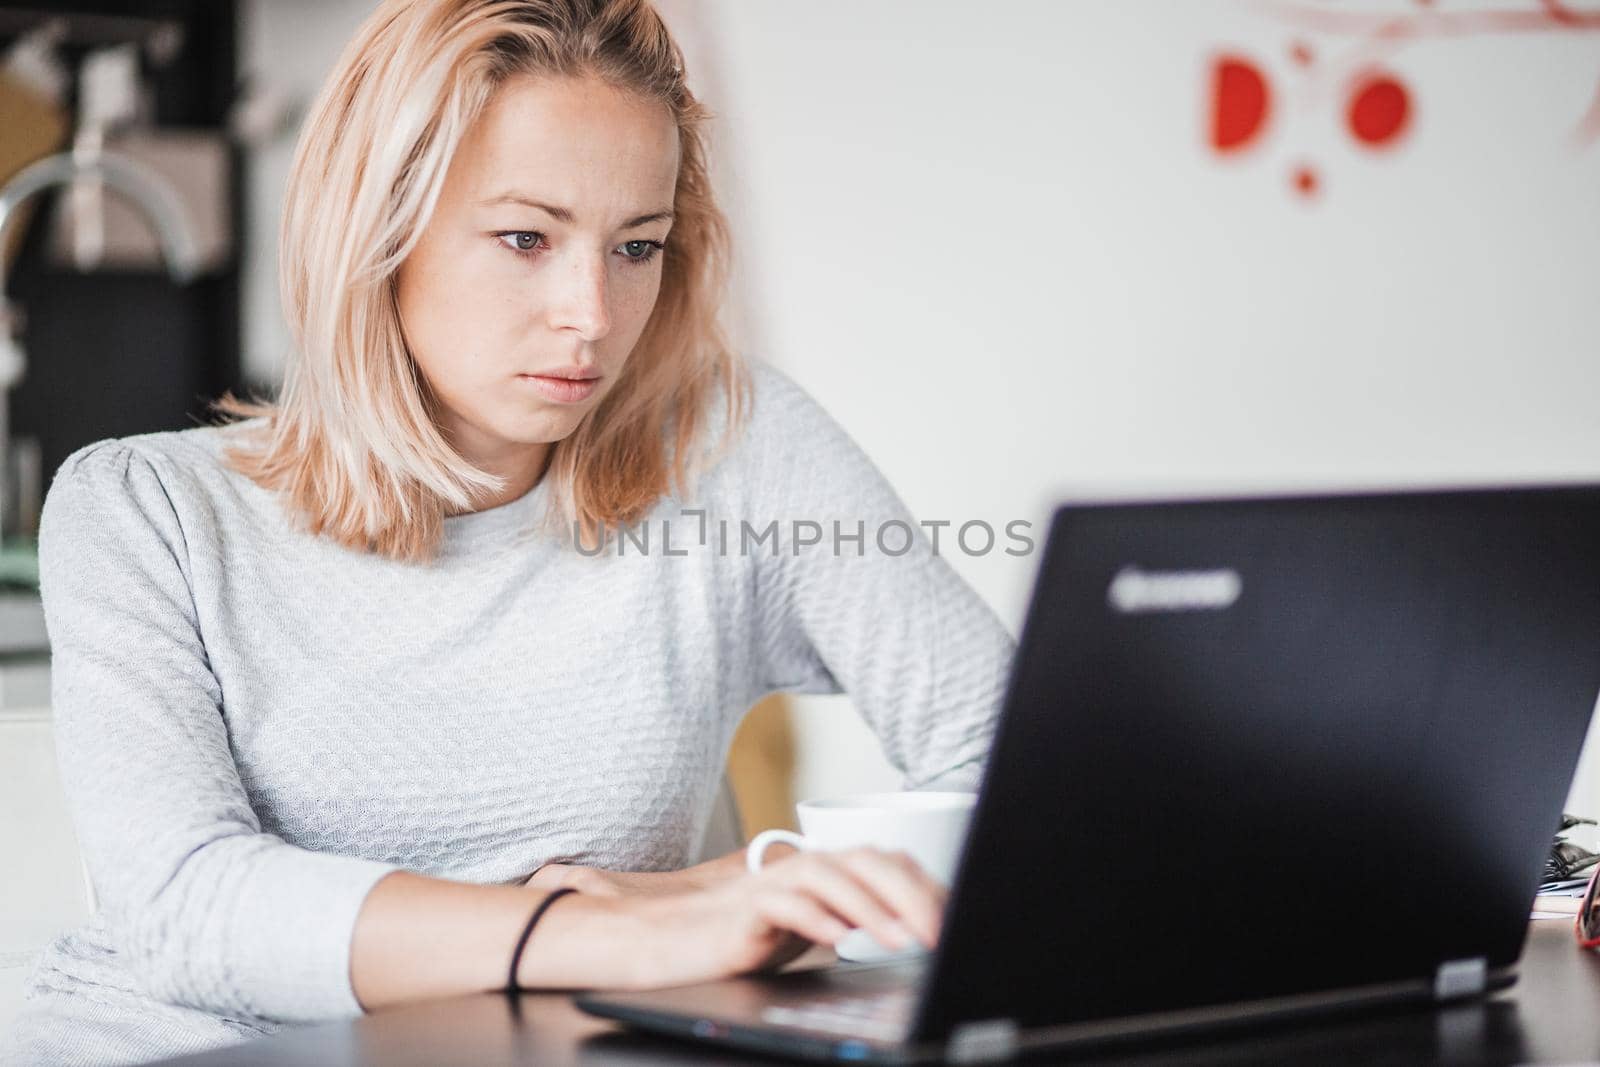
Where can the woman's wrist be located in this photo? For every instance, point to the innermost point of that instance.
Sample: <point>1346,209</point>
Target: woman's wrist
<point>418,938</point>
<point>586,942</point>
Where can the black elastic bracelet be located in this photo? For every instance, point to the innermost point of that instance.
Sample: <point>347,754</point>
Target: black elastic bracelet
<point>527,931</point>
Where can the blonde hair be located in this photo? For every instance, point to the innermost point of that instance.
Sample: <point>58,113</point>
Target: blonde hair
<point>351,441</point>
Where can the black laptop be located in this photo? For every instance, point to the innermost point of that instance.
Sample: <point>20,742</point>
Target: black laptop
<point>1258,757</point>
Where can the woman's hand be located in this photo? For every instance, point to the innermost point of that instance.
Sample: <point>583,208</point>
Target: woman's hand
<point>758,921</point>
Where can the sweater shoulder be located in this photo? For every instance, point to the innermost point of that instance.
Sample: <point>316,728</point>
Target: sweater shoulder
<point>782,411</point>
<point>185,470</point>
<point>197,450</point>
<point>789,444</point>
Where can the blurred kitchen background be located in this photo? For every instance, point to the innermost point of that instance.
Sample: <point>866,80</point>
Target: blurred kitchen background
<point>1021,250</point>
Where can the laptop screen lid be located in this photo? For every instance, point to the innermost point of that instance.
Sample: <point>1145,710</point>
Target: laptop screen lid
<point>1259,749</point>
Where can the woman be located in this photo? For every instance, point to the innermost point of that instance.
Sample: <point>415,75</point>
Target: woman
<point>341,692</point>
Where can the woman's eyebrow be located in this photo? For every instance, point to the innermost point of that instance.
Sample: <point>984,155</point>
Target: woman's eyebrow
<point>561,214</point>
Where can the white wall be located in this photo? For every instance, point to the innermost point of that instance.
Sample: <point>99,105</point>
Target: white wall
<point>993,241</point>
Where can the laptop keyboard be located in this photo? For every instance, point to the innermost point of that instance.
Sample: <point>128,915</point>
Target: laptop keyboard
<point>881,1016</point>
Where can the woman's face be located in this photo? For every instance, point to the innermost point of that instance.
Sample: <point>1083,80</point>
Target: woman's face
<point>542,258</point>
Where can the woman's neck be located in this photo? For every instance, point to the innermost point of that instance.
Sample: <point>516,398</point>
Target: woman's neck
<point>522,466</point>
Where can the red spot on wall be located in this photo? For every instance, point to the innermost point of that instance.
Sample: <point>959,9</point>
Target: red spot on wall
<point>1380,109</point>
<point>1240,101</point>
<point>1302,54</point>
<point>1305,180</point>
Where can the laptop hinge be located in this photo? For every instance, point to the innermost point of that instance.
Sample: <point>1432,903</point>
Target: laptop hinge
<point>981,1042</point>
<point>1461,978</point>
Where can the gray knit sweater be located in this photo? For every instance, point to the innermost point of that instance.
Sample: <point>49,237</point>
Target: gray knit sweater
<point>255,725</point>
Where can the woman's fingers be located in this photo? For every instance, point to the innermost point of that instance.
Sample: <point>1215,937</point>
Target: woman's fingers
<point>886,894</point>
<point>901,883</point>
<point>837,887</point>
<point>794,910</point>
<point>814,896</point>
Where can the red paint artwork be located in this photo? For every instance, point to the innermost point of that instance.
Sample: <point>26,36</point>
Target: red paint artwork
<point>1240,100</point>
<point>1379,108</point>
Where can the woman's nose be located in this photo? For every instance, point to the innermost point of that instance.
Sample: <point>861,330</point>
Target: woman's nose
<point>582,302</point>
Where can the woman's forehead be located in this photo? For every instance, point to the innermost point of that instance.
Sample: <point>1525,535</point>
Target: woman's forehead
<point>579,143</point>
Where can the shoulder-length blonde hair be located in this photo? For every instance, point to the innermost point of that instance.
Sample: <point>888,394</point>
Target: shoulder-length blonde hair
<point>351,441</point>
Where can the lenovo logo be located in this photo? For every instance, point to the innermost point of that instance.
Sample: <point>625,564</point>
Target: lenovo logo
<point>1134,591</point>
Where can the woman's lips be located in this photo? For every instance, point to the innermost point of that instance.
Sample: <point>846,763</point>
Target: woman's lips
<point>562,390</point>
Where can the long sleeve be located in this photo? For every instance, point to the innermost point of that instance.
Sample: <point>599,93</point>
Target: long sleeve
<point>212,912</point>
<point>881,616</point>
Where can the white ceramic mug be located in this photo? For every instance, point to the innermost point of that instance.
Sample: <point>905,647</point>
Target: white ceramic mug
<point>930,826</point>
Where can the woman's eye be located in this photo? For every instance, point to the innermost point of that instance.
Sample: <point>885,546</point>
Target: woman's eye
<point>521,240</point>
<point>640,251</point>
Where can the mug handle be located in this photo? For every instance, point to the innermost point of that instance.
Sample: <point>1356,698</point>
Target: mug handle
<point>757,848</point>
